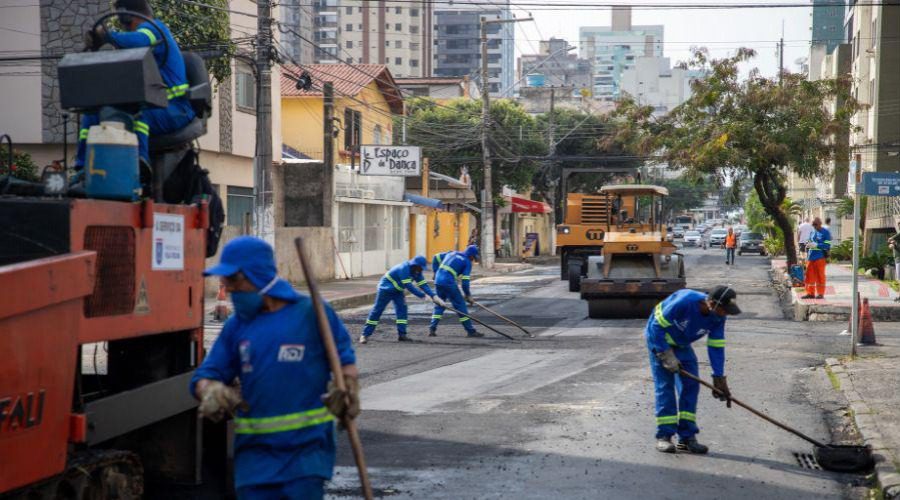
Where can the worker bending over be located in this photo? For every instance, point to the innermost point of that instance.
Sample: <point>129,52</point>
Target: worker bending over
<point>457,265</point>
<point>681,319</point>
<point>392,288</point>
<point>436,262</point>
<point>284,445</point>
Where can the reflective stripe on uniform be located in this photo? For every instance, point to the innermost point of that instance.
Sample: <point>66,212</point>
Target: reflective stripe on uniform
<point>177,90</point>
<point>666,420</point>
<point>407,280</point>
<point>658,314</point>
<point>402,321</point>
<point>281,423</point>
<point>464,318</point>
<point>450,270</point>
<point>715,342</point>
<point>465,277</point>
<point>671,341</point>
<point>150,35</point>
<point>398,287</point>
<point>420,283</point>
<point>686,415</point>
<point>83,133</point>
<point>141,127</point>
<point>437,316</point>
<point>371,322</point>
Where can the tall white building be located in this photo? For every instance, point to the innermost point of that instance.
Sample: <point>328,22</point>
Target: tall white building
<point>652,81</point>
<point>614,49</point>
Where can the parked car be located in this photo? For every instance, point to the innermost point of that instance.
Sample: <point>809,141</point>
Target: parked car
<point>717,237</point>
<point>678,232</point>
<point>692,238</point>
<point>739,229</point>
<point>751,242</point>
<point>701,228</point>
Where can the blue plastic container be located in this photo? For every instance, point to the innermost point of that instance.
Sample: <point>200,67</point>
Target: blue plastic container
<point>112,171</point>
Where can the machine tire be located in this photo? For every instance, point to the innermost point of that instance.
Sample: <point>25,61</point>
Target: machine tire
<point>564,267</point>
<point>575,276</point>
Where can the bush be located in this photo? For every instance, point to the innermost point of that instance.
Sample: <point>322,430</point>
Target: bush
<point>843,251</point>
<point>23,166</point>
<point>877,261</point>
<point>774,245</point>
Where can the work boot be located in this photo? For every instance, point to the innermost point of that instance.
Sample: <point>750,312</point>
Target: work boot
<point>432,332</point>
<point>808,296</point>
<point>404,338</point>
<point>820,296</point>
<point>363,339</point>
<point>691,445</point>
<point>474,334</point>
<point>664,445</point>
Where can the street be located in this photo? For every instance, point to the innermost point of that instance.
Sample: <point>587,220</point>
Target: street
<point>570,413</point>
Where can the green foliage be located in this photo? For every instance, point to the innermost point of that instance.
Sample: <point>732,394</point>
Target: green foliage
<point>876,260</point>
<point>685,193</point>
<point>23,166</point>
<point>754,130</point>
<point>754,211</point>
<point>774,244</point>
<point>200,28</point>
<point>843,251</point>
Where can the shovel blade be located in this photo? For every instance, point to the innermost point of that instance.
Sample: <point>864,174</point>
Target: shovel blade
<point>844,458</point>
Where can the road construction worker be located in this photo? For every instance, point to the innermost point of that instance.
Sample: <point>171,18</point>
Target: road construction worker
<point>817,247</point>
<point>458,265</point>
<point>436,262</point>
<point>141,33</point>
<point>284,445</point>
<point>730,246</point>
<point>681,319</point>
<point>392,288</point>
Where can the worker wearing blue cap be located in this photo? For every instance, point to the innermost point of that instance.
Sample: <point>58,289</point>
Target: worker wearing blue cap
<point>406,276</point>
<point>284,444</point>
<point>458,265</point>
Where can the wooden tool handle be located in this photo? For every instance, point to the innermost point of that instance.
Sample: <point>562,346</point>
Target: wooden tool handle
<point>334,362</point>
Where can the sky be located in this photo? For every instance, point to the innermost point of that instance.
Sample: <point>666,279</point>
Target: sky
<point>721,31</point>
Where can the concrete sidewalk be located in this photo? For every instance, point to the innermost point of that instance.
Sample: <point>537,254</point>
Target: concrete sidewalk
<point>346,294</point>
<point>871,383</point>
<point>837,302</point>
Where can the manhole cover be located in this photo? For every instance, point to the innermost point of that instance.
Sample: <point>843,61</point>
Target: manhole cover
<point>807,461</point>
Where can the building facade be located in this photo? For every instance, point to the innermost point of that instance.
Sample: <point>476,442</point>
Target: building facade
<point>614,49</point>
<point>457,51</point>
<point>828,23</point>
<point>556,66</point>
<point>652,81</point>
<point>297,29</point>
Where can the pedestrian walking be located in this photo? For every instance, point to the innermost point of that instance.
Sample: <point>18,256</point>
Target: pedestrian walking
<point>456,266</point>
<point>803,233</point>
<point>406,276</point>
<point>818,246</point>
<point>284,439</point>
<point>894,244</point>
<point>730,246</point>
<point>678,321</point>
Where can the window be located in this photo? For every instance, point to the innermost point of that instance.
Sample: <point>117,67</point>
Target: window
<point>398,10</point>
<point>413,46</point>
<point>245,89</point>
<point>414,12</point>
<point>398,27</point>
<point>359,26</point>
<point>349,10</point>
<point>352,129</point>
<point>398,44</point>
<point>413,63</point>
<point>374,233</point>
<point>349,27</point>
<point>387,60</point>
<point>387,44</point>
<point>387,26</point>
<point>414,30</point>
<point>349,44</point>
<point>376,134</point>
<point>398,61</point>
<point>347,216</point>
<point>359,9</point>
<point>397,228</point>
<point>240,202</point>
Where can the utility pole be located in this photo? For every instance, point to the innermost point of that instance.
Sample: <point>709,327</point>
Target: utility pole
<point>551,145</point>
<point>854,288</point>
<point>327,150</point>
<point>781,56</point>
<point>262,168</point>
<point>487,199</point>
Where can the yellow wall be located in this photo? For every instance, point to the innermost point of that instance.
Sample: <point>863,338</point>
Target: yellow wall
<point>452,232</point>
<point>301,121</point>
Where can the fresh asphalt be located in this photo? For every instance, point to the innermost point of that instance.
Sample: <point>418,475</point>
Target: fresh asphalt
<point>569,413</point>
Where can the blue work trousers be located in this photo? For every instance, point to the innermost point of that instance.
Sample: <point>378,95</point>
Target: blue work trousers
<point>451,294</point>
<point>159,121</point>
<point>729,255</point>
<point>304,488</point>
<point>676,396</point>
<point>382,299</point>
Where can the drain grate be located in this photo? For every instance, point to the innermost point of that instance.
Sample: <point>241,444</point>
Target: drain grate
<point>807,461</point>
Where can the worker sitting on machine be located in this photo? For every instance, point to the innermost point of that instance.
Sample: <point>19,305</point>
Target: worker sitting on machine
<point>456,266</point>
<point>142,33</point>
<point>392,288</point>
<point>681,319</point>
<point>284,444</point>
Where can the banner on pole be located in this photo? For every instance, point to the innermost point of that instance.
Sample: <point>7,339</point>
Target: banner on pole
<point>880,184</point>
<point>390,160</point>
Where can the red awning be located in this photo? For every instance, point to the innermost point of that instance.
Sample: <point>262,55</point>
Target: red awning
<point>524,205</point>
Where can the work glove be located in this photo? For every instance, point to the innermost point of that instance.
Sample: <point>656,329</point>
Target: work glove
<point>668,360</point>
<point>95,38</point>
<point>343,404</point>
<point>722,393</point>
<point>439,301</point>
<point>470,300</point>
<point>217,399</point>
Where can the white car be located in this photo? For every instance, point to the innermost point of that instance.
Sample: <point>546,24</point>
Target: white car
<point>717,237</point>
<point>692,238</point>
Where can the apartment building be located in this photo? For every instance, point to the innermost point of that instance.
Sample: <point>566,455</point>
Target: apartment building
<point>652,81</point>
<point>556,65</point>
<point>297,30</point>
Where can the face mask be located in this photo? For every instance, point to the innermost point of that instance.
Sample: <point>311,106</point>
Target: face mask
<point>246,304</point>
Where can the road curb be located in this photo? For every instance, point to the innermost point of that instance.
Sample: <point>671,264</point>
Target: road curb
<point>885,471</point>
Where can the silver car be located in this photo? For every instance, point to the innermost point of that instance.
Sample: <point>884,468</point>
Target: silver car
<point>692,238</point>
<point>717,237</point>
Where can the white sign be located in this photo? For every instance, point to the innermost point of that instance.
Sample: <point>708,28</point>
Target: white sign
<point>390,160</point>
<point>168,242</point>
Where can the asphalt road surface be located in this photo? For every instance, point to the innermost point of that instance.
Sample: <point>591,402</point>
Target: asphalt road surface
<point>569,413</point>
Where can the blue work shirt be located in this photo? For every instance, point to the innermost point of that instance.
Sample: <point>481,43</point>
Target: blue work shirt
<point>281,362</point>
<point>401,277</point>
<point>151,35</point>
<point>455,266</point>
<point>678,322</point>
<point>819,242</point>
<point>438,259</point>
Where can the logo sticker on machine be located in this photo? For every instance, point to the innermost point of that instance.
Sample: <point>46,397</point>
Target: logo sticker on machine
<point>168,242</point>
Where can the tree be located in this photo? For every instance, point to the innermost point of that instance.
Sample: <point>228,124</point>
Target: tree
<point>755,130</point>
<point>200,28</point>
<point>684,194</point>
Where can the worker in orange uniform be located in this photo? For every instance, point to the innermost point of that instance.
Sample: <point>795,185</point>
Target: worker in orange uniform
<point>730,245</point>
<point>817,247</point>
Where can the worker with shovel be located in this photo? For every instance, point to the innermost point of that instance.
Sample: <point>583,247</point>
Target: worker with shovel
<point>456,266</point>
<point>681,319</point>
<point>286,402</point>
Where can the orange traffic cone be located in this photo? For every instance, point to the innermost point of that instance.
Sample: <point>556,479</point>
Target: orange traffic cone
<point>866,328</point>
<point>221,312</point>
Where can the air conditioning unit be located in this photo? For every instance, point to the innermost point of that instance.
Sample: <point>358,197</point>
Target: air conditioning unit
<point>368,194</point>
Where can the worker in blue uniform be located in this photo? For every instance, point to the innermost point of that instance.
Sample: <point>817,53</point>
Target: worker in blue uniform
<point>437,260</point>
<point>681,319</point>
<point>140,33</point>
<point>284,445</point>
<point>406,276</point>
<point>457,265</point>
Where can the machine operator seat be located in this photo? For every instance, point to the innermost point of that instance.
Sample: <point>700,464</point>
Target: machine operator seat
<point>167,150</point>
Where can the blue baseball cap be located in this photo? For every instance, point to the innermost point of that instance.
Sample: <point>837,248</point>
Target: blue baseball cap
<point>472,251</point>
<point>256,260</point>
<point>419,260</point>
